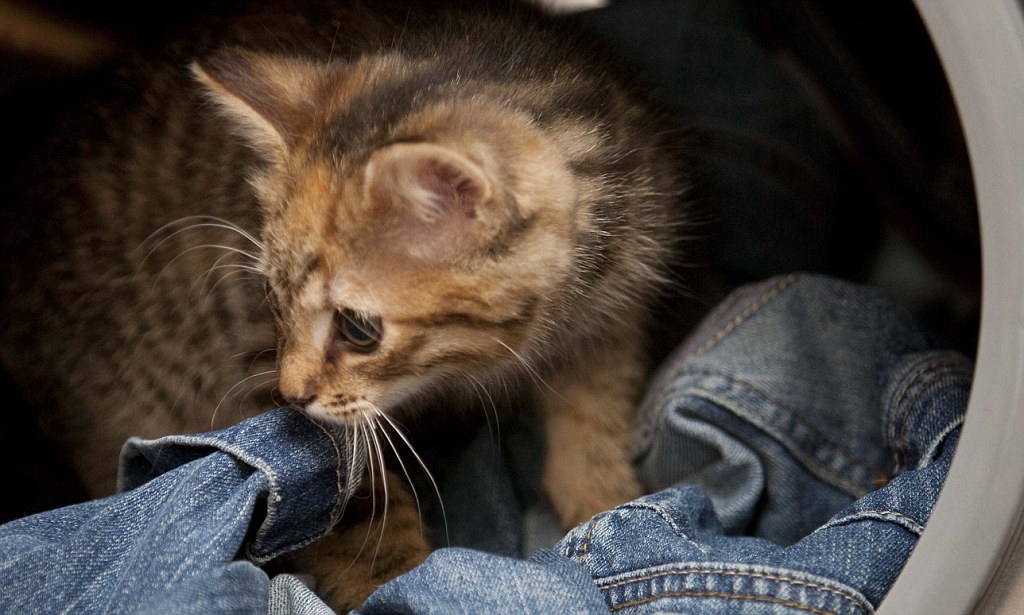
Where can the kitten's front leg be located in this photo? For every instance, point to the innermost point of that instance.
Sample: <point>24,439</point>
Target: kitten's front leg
<point>358,556</point>
<point>588,414</point>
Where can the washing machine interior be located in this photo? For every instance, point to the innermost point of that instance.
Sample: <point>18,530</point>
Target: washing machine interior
<point>855,140</point>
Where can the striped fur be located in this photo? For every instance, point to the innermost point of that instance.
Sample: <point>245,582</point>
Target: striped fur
<point>477,179</point>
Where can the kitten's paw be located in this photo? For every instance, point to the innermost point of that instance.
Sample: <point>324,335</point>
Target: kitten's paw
<point>354,566</point>
<point>359,555</point>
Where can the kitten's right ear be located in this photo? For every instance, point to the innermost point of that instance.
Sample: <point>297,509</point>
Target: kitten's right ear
<point>269,98</point>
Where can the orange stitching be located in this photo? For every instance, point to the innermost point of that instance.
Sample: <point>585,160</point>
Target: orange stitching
<point>729,328</point>
<point>815,432</point>
<point>850,486</point>
<point>741,573</point>
<point>586,541</point>
<point>699,594</point>
<point>939,371</point>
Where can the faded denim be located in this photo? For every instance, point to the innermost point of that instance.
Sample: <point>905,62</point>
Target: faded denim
<point>196,514</point>
<point>794,447</point>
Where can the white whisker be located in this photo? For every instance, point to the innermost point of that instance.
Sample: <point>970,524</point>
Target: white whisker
<point>253,389</point>
<point>478,387</point>
<point>202,280</point>
<point>437,490</point>
<point>408,478</point>
<point>374,426</point>
<point>246,277</point>
<point>253,268</point>
<point>534,375</point>
<point>353,462</point>
<point>361,430</point>
<point>219,223</point>
<point>255,355</point>
<point>213,417</point>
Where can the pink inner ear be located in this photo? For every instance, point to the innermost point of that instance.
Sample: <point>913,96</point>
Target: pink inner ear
<point>433,182</point>
<point>437,199</point>
<point>449,189</point>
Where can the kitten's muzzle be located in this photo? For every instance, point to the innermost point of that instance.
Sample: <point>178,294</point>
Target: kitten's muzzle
<point>300,402</point>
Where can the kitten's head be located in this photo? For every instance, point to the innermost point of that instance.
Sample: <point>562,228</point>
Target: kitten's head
<point>407,242</point>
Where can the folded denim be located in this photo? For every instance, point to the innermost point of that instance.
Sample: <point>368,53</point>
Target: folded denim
<point>794,447</point>
<point>197,512</point>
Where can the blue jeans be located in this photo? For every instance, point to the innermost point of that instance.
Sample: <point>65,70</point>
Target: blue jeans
<point>794,447</point>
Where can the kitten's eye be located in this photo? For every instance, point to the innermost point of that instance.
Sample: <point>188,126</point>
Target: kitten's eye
<point>360,334</point>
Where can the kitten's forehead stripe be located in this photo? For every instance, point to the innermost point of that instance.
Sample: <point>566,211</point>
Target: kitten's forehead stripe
<point>368,116</point>
<point>313,264</point>
<point>511,235</point>
<point>454,318</point>
<point>400,365</point>
<point>367,119</point>
<point>462,319</point>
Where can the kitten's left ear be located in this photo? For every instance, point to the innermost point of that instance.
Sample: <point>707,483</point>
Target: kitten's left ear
<point>270,98</point>
<point>437,193</point>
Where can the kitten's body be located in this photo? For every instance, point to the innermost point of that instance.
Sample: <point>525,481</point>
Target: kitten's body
<point>477,184</point>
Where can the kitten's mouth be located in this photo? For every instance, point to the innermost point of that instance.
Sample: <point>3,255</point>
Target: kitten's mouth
<point>341,410</point>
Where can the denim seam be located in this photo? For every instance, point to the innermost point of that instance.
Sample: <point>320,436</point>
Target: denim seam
<point>745,314</point>
<point>242,455</point>
<point>738,573</point>
<point>814,431</point>
<point>708,594</point>
<point>725,312</point>
<point>667,517</point>
<point>889,516</point>
<point>338,472</point>
<point>727,328</point>
<point>923,388</point>
<point>909,381</point>
<point>937,442</point>
<point>849,486</point>
<point>272,506</point>
<point>730,325</point>
<point>935,372</point>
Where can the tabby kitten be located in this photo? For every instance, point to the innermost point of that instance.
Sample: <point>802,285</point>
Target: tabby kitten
<point>367,207</point>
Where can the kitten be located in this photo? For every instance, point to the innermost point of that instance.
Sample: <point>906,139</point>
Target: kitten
<point>366,207</point>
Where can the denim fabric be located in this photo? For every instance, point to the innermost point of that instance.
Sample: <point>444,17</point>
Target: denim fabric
<point>795,446</point>
<point>198,513</point>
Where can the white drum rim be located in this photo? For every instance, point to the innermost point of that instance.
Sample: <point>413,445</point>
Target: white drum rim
<point>977,520</point>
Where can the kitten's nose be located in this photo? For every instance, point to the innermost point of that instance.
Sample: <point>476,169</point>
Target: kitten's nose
<point>299,378</point>
<point>298,394</point>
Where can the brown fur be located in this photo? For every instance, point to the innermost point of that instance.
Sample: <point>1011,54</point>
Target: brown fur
<point>475,180</point>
